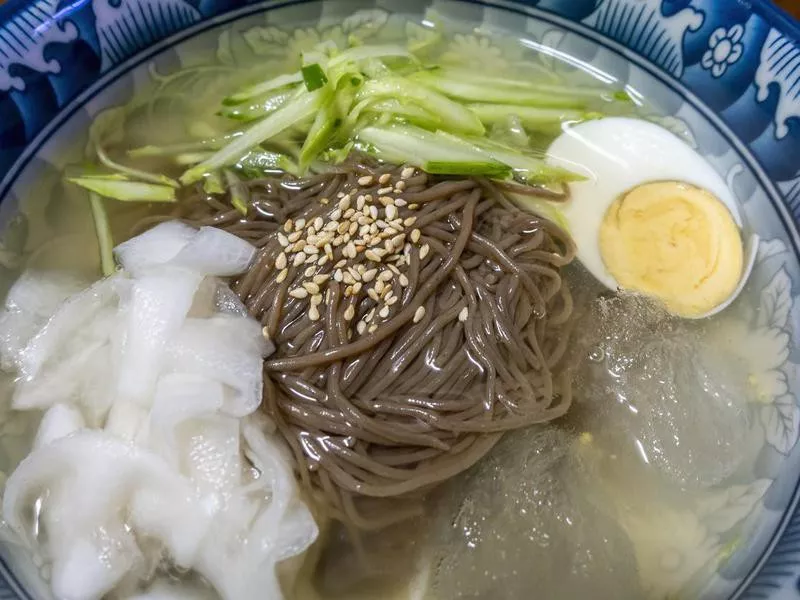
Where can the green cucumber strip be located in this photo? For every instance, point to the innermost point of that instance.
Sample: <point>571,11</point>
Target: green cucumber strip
<point>527,168</point>
<point>298,109</point>
<point>472,92</point>
<point>257,109</point>
<point>369,52</point>
<point>425,149</point>
<point>102,228</point>
<point>132,172</point>
<point>260,89</point>
<point>213,184</point>
<point>238,199</point>
<point>471,77</point>
<point>414,114</point>
<point>529,116</point>
<point>256,163</point>
<point>454,116</point>
<point>126,191</point>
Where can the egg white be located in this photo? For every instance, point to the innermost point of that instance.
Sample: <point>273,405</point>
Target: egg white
<point>617,154</point>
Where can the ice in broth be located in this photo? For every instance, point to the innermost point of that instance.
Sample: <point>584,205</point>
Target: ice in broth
<point>565,502</point>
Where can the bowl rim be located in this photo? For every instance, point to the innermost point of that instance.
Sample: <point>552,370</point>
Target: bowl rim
<point>760,575</point>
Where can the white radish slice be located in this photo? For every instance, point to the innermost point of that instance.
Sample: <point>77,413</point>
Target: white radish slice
<point>154,247</point>
<point>73,315</point>
<point>159,303</point>
<point>228,350</point>
<point>58,422</point>
<point>216,252</point>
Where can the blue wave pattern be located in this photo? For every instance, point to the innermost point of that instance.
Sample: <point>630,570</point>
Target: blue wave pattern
<point>742,59</point>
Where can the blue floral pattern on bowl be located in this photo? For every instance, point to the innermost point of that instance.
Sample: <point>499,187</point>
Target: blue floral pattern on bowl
<point>726,72</point>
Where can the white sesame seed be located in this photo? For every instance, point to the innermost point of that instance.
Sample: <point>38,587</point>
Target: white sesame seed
<point>313,313</point>
<point>295,236</point>
<point>375,240</point>
<point>419,314</point>
<point>388,245</point>
<point>379,286</point>
<point>309,249</point>
<point>328,250</point>
<point>310,258</point>
<point>321,278</point>
<point>348,278</point>
<point>385,200</point>
<point>391,212</point>
<point>360,201</point>
<point>299,293</point>
<point>390,232</point>
<point>363,220</point>
<point>298,260</point>
<point>310,271</point>
<point>372,255</point>
<point>354,227</point>
<point>413,206</point>
<point>365,180</point>
<point>384,190</point>
<point>363,230</point>
<point>373,212</point>
<point>356,275</point>
<point>340,264</point>
<point>323,259</point>
<point>311,238</point>
<point>372,328</point>
<point>282,275</point>
<point>391,301</point>
<point>324,201</point>
<point>415,235</point>
<point>288,226</point>
<point>331,226</point>
<point>385,276</point>
<point>340,194</point>
<point>316,299</point>
<point>283,240</point>
<point>357,287</point>
<point>369,275</point>
<point>400,186</point>
<point>338,240</point>
<point>338,276</point>
<point>299,224</point>
<point>385,178</point>
<point>394,269</point>
<point>410,221</point>
<point>281,261</point>
<point>348,291</point>
<point>398,241</point>
<point>318,223</point>
<point>350,249</point>
<point>344,203</point>
<point>361,327</point>
<point>400,201</point>
<point>423,252</point>
<point>341,227</point>
<point>311,287</point>
<point>348,214</point>
<point>407,172</point>
<point>265,332</point>
<point>373,294</point>
<point>403,280</point>
<point>384,312</point>
<point>336,214</point>
<point>349,313</point>
<point>462,316</point>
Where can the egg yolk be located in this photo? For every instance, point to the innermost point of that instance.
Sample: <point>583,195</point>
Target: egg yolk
<point>673,241</point>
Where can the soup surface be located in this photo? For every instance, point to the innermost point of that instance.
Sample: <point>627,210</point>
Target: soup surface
<point>365,310</point>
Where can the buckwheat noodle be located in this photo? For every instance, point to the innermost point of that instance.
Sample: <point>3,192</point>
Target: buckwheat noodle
<point>388,403</point>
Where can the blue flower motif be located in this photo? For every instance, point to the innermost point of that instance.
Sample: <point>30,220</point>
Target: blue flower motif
<point>724,48</point>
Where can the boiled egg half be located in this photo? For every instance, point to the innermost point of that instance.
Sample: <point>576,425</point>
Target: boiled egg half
<point>653,216</point>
